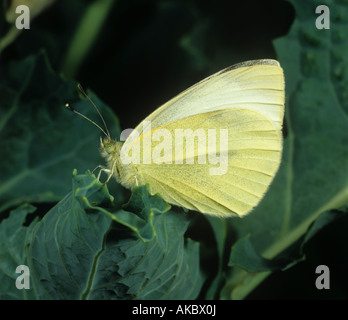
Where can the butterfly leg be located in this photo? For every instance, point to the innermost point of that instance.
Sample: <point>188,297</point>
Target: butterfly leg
<point>110,172</point>
<point>102,168</point>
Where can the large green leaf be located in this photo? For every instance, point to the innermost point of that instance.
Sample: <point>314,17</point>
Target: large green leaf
<point>86,246</point>
<point>313,177</point>
<point>40,140</point>
<point>82,249</point>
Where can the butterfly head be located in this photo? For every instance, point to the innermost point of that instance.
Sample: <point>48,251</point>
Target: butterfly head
<point>107,146</point>
<point>110,150</point>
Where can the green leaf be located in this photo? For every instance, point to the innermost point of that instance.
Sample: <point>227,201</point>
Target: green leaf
<point>82,249</point>
<point>244,255</point>
<point>313,177</point>
<point>40,139</point>
<point>14,239</point>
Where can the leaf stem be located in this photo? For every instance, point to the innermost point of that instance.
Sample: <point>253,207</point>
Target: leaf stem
<point>85,35</point>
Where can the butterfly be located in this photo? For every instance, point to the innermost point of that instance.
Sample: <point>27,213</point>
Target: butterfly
<point>214,148</point>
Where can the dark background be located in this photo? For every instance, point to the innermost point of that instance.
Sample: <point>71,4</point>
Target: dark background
<point>138,60</point>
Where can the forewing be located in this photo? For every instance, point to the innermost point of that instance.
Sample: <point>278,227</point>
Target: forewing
<point>256,85</point>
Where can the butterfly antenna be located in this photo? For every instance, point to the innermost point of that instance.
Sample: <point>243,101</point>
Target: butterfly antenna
<point>67,105</point>
<point>96,108</point>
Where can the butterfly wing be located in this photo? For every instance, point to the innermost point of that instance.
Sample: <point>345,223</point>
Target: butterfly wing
<point>248,100</point>
<point>254,85</point>
<point>253,149</point>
